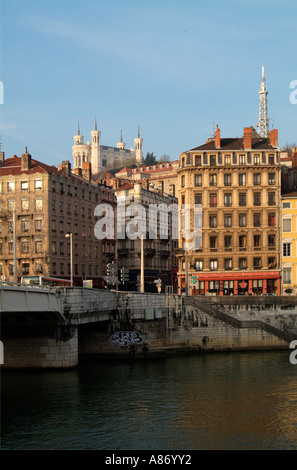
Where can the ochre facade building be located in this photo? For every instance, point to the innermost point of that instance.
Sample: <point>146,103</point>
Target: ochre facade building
<point>237,182</point>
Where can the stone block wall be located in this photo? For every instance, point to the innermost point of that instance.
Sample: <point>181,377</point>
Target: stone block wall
<point>40,352</point>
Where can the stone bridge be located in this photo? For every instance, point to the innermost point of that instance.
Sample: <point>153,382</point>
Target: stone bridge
<point>49,328</point>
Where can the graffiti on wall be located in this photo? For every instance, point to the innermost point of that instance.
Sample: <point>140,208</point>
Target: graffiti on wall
<point>123,338</point>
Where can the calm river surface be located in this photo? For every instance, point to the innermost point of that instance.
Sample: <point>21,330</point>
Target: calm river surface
<point>218,401</point>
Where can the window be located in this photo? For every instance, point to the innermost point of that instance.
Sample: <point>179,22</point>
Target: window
<point>257,220</point>
<point>212,160</point>
<point>271,241</point>
<point>62,248</point>
<point>287,225</point>
<point>198,198</point>
<point>213,200</point>
<point>271,220</point>
<point>286,205</point>
<point>227,159</point>
<point>39,267</point>
<point>271,199</point>
<point>271,178</point>
<point>228,242</point>
<point>183,181</point>
<point>10,186</point>
<point>54,247</point>
<point>212,179</point>
<point>38,224</point>
<point>198,179</point>
<point>242,179</point>
<point>25,246</point>
<point>38,204</point>
<point>287,249</point>
<point>38,246</point>
<point>213,264</point>
<point>25,204</point>
<point>257,199</point>
<point>257,159</point>
<point>227,220</point>
<point>271,262</point>
<point>25,268</point>
<point>241,159</point>
<point>257,242</point>
<point>213,243</point>
<point>213,221</point>
<point>242,199</point>
<point>11,206</point>
<point>227,200</point>
<point>271,159</point>
<point>228,264</point>
<point>24,186</point>
<point>242,242</point>
<point>257,179</point>
<point>25,225</point>
<point>257,263</point>
<point>197,160</point>
<point>227,179</point>
<point>287,275</point>
<point>199,265</point>
<point>38,184</point>
<point>242,263</point>
<point>242,220</point>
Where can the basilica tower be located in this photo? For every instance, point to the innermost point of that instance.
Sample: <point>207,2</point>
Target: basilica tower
<point>138,148</point>
<point>95,152</point>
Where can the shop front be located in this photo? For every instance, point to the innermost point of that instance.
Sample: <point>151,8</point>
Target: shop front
<point>241,283</point>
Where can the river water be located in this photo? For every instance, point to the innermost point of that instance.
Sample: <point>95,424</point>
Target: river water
<point>218,401</point>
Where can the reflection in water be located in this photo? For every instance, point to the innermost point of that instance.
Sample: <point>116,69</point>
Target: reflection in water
<point>220,401</point>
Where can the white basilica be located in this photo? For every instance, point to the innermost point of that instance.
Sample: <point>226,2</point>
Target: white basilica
<point>102,157</point>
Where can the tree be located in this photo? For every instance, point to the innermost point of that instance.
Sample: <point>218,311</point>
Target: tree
<point>165,158</point>
<point>150,159</point>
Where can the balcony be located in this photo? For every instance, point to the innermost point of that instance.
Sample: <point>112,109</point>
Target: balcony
<point>164,253</point>
<point>123,251</point>
<point>149,251</point>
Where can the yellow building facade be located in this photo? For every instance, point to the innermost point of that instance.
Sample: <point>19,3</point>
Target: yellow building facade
<point>289,243</point>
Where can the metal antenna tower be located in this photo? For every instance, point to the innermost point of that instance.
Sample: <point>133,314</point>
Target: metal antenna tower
<point>263,127</point>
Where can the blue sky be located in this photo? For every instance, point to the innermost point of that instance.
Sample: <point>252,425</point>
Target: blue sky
<point>175,68</point>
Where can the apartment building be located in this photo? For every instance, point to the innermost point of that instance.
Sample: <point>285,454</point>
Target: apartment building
<point>289,243</point>
<point>41,206</point>
<point>159,260</point>
<point>237,181</point>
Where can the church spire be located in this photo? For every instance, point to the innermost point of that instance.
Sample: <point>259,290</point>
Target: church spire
<point>263,128</point>
<point>78,129</point>
<point>95,123</point>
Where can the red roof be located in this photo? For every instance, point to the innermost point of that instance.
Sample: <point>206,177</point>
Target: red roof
<point>13,166</point>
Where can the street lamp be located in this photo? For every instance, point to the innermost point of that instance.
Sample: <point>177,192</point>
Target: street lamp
<point>69,235</point>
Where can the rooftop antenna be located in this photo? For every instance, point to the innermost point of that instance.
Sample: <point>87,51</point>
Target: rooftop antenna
<point>263,127</point>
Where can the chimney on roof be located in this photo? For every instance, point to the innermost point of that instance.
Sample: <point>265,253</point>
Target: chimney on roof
<point>273,136</point>
<point>217,138</point>
<point>77,171</point>
<point>247,138</point>
<point>87,171</point>
<point>65,167</point>
<point>2,158</point>
<point>26,161</point>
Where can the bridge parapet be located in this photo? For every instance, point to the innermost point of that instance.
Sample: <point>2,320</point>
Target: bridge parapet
<point>21,298</point>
